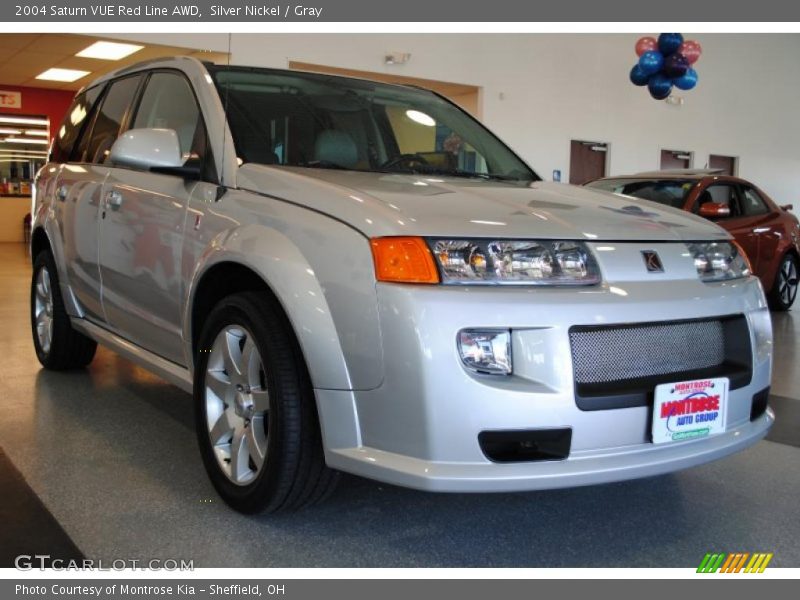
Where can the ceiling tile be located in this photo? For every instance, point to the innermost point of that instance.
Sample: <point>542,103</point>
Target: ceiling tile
<point>24,56</point>
<point>17,41</point>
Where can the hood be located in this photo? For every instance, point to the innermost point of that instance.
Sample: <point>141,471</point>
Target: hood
<point>380,204</point>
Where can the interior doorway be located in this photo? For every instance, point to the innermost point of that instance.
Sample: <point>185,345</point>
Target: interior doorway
<point>465,96</point>
<point>587,161</point>
<point>676,159</point>
<point>727,164</point>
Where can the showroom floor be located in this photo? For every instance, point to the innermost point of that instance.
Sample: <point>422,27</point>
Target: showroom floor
<point>110,452</point>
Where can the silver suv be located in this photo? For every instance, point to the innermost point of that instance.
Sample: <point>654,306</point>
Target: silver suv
<point>354,276</point>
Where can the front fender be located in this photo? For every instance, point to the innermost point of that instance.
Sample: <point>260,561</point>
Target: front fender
<point>322,274</point>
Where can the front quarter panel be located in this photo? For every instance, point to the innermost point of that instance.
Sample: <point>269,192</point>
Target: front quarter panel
<point>320,270</point>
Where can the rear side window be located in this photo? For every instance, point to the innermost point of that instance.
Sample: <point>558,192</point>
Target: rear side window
<point>108,121</point>
<point>75,122</point>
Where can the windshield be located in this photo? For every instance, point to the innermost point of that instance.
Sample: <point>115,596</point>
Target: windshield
<point>309,120</point>
<point>671,192</point>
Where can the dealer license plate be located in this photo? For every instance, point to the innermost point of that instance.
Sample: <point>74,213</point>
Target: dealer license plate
<point>689,409</point>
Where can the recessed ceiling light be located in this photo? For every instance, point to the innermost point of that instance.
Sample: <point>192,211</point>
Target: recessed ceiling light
<point>24,121</point>
<point>10,131</point>
<point>109,50</point>
<point>66,75</point>
<point>15,152</point>
<point>40,132</point>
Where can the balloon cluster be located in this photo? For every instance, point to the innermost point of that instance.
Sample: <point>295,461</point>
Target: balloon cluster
<point>665,62</point>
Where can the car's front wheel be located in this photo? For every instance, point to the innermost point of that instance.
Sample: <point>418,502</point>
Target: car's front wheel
<point>256,416</point>
<point>58,346</point>
<point>784,290</point>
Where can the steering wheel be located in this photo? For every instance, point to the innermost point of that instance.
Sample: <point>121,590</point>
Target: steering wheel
<point>405,159</point>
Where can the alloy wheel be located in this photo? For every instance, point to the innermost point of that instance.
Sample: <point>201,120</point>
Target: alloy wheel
<point>43,310</point>
<point>237,404</point>
<point>787,281</point>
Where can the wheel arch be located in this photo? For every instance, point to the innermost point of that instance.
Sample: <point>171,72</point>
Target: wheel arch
<point>773,274</point>
<point>39,242</point>
<point>282,273</point>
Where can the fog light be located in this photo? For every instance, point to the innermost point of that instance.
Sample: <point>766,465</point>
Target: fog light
<point>486,351</point>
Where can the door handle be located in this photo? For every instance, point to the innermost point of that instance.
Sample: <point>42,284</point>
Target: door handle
<point>62,192</point>
<point>114,199</point>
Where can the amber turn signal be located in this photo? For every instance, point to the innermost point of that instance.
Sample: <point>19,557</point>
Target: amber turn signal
<point>403,260</point>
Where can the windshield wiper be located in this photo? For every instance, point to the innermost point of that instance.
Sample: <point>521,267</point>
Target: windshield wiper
<point>325,164</point>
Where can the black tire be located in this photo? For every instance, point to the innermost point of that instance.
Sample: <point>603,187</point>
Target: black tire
<point>784,289</point>
<point>68,349</point>
<point>294,473</point>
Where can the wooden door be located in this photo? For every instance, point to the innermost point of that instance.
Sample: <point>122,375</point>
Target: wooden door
<point>587,161</point>
<point>675,159</point>
<point>726,163</point>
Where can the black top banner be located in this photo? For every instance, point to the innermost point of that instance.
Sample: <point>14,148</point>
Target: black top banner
<point>400,11</point>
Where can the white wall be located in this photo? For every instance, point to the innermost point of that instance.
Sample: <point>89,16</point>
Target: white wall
<point>540,91</point>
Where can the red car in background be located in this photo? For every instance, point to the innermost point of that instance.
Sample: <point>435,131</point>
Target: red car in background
<point>768,233</point>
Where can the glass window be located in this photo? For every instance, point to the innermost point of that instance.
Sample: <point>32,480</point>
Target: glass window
<point>321,121</point>
<point>24,141</point>
<point>169,103</point>
<point>752,202</point>
<point>74,123</point>
<point>109,118</point>
<point>671,192</point>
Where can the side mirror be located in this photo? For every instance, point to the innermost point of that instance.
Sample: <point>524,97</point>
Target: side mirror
<point>145,148</point>
<point>714,210</point>
<point>787,207</point>
<point>156,150</point>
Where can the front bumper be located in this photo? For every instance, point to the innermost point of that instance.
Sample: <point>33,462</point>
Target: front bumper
<point>420,427</point>
<point>581,468</point>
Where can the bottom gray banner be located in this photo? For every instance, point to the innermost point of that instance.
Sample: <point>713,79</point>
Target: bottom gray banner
<point>390,589</point>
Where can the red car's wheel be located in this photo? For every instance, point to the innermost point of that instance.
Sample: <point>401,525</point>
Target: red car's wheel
<point>784,290</point>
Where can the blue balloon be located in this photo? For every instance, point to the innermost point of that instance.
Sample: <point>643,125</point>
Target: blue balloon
<point>638,77</point>
<point>675,65</point>
<point>687,81</point>
<point>669,42</point>
<point>651,62</point>
<point>660,86</point>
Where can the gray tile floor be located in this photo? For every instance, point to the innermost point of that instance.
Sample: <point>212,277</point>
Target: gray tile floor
<point>111,453</point>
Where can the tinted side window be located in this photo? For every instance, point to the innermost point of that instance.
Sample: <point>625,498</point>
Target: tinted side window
<point>109,118</point>
<point>752,203</point>
<point>74,123</point>
<point>169,103</point>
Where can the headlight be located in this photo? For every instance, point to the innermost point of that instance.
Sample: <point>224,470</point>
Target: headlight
<point>719,261</point>
<point>534,262</point>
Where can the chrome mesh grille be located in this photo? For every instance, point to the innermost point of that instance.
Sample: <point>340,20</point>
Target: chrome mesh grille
<point>623,353</point>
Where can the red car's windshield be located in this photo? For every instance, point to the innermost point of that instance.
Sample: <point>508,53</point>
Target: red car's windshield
<point>671,192</point>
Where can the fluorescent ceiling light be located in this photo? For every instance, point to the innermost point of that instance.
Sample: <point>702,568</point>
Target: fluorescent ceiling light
<point>10,131</point>
<point>25,141</point>
<point>40,132</point>
<point>109,50</point>
<point>66,75</point>
<point>23,121</point>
